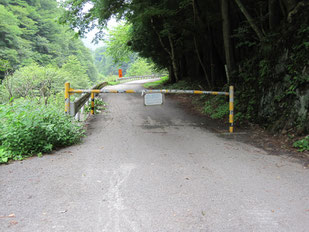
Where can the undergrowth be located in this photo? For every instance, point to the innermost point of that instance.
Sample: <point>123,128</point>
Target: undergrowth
<point>302,145</point>
<point>99,105</point>
<point>28,128</point>
<point>216,107</point>
<point>156,83</point>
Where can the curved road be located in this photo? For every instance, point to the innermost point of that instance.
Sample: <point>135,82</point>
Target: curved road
<point>154,169</point>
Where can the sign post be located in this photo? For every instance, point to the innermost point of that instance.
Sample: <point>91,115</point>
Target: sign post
<point>120,73</point>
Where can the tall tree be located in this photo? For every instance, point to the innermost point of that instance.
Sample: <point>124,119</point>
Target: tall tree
<point>250,20</point>
<point>228,50</point>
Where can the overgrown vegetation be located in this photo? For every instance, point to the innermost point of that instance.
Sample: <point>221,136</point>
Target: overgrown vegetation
<point>100,105</point>
<point>158,83</point>
<point>28,128</point>
<point>217,107</point>
<point>30,33</point>
<point>302,144</point>
<point>264,45</point>
<point>37,56</point>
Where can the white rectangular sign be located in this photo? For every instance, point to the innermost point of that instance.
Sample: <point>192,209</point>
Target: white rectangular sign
<point>152,99</point>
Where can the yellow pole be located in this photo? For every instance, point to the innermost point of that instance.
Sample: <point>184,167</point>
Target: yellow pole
<point>92,103</point>
<point>67,97</point>
<point>231,118</point>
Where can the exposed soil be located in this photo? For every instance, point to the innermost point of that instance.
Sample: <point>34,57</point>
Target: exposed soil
<point>252,134</point>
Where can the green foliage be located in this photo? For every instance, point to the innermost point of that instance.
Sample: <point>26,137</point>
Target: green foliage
<point>113,82</point>
<point>41,83</point>
<point>111,78</point>
<point>28,128</point>
<point>34,81</point>
<point>30,33</point>
<point>217,107</point>
<point>99,105</point>
<point>140,67</point>
<point>105,63</point>
<point>184,85</point>
<point>158,83</point>
<point>277,77</point>
<point>5,155</point>
<point>76,73</point>
<point>117,44</point>
<point>302,145</point>
<point>10,36</point>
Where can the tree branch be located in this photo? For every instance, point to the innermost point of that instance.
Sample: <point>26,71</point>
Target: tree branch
<point>250,20</point>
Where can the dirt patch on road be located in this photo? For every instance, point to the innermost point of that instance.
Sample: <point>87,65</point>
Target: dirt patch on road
<point>250,134</point>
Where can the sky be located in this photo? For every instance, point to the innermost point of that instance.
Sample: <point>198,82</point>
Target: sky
<point>90,36</point>
<point>88,40</point>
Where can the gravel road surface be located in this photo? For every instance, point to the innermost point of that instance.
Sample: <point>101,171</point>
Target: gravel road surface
<point>158,168</point>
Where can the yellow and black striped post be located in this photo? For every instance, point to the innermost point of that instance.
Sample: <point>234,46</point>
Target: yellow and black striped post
<point>92,103</point>
<point>231,119</point>
<point>67,97</point>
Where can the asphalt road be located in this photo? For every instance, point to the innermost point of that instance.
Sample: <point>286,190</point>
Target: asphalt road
<point>159,168</point>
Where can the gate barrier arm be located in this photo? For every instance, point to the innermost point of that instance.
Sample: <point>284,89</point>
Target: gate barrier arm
<point>69,91</point>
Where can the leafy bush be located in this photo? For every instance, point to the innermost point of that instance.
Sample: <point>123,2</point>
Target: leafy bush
<point>27,128</point>
<point>34,81</point>
<point>217,107</point>
<point>99,105</point>
<point>140,67</point>
<point>303,144</point>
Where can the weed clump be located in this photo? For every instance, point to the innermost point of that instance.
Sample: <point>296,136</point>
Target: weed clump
<point>28,128</point>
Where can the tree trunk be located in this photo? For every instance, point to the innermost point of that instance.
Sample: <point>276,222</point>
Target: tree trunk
<point>250,20</point>
<point>196,48</point>
<point>229,58</point>
<point>289,5</point>
<point>201,63</point>
<point>170,52</point>
<point>274,17</point>
<point>171,75</point>
<point>173,57</point>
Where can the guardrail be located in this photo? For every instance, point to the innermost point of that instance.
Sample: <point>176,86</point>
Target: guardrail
<point>154,76</point>
<point>74,108</point>
<point>94,91</point>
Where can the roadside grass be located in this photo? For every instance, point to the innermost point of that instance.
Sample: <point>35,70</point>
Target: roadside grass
<point>113,82</point>
<point>156,83</point>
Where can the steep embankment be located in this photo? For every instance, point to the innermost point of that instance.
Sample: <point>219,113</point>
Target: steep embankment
<point>273,88</point>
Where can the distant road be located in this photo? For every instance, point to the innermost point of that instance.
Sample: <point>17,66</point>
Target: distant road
<point>154,169</point>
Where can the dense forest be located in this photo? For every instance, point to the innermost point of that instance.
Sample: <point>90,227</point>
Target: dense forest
<point>37,56</point>
<point>30,33</point>
<point>264,45</point>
